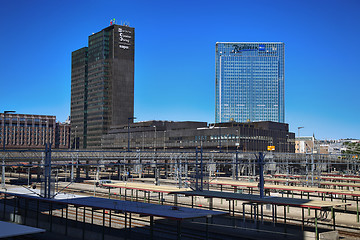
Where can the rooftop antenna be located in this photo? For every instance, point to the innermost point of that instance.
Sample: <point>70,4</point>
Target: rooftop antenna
<point>112,21</point>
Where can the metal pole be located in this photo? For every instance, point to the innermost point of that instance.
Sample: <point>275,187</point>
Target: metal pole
<point>261,173</point>
<point>51,216</point>
<point>316,226</point>
<point>66,222</point>
<point>236,166</point>
<point>83,226</point>
<point>4,210</point>
<point>3,171</point>
<point>37,212</point>
<point>333,217</point>
<point>155,139</point>
<point>220,138</point>
<point>164,141</point>
<point>302,219</point>
<point>285,218</point>
<point>357,208</point>
<point>196,172</point>
<point>75,137</point>
<point>151,227</point>
<point>130,118</point>
<point>201,166</point>
<point>129,134</point>
<point>179,229</point>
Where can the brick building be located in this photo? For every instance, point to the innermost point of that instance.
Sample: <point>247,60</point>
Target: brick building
<point>28,131</point>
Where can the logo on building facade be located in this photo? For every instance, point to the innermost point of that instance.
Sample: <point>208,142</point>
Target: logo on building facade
<point>124,38</point>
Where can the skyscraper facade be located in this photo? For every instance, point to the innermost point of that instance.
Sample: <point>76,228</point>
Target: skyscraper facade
<point>249,82</point>
<point>102,85</point>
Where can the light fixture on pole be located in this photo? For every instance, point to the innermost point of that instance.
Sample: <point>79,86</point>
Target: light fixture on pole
<point>299,131</point>
<point>75,137</point>
<point>130,118</point>
<point>164,140</point>
<point>155,138</point>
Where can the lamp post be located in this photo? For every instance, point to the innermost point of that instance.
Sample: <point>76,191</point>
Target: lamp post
<point>130,118</point>
<point>238,138</point>
<point>155,139</point>
<point>143,140</point>
<point>299,131</point>
<point>220,138</point>
<point>287,144</point>
<point>164,140</point>
<point>75,137</point>
<point>77,158</point>
<point>3,161</point>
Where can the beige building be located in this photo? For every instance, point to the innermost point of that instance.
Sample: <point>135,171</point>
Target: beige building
<point>305,145</point>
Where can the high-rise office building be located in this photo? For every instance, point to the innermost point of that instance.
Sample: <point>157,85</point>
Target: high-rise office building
<point>102,85</point>
<point>249,82</point>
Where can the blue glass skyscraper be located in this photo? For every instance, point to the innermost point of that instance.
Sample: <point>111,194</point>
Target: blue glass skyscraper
<point>249,81</point>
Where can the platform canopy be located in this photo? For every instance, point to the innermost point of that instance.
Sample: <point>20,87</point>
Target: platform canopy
<point>166,211</point>
<point>14,230</point>
<point>295,202</point>
<point>145,187</point>
<point>286,187</point>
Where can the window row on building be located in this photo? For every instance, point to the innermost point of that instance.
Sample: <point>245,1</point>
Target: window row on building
<point>165,135</point>
<point>25,131</point>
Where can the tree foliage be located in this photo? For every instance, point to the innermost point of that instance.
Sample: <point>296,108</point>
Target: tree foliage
<point>352,147</point>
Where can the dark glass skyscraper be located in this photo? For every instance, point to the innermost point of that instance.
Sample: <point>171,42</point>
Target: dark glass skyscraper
<point>249,82</point>
<point>102,85</point>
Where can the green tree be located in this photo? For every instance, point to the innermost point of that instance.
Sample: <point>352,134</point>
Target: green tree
<point>352,147</point>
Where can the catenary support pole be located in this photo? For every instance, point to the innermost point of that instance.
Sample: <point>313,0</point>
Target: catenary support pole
<point>316,226</point>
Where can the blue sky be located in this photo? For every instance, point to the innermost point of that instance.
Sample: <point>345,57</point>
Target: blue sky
<point>175,55</point>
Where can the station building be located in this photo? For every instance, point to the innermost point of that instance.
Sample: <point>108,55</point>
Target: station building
<point>169,135</point>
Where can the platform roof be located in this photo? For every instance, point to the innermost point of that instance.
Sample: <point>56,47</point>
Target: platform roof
<point>172,212</point>
<point>353,178</point>
<point>287,188</point>
<point>282,180</point>
<point>14,230</point>
<point>295,202</point>
<point>165,211</point>
<point>340,175</point>
<point>343,184</point>
<point>146,187</point>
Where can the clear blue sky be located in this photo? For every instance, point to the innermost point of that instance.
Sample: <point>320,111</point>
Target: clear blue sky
<point>175,55</point>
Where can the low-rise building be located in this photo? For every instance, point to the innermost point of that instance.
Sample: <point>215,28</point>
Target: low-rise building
<point>305,145</point>
<point>28,131</point>
<point>313,145</point>
<point>168,135</point>
<point>62,135</point>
